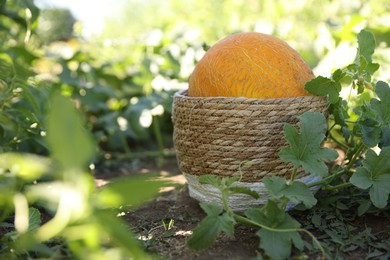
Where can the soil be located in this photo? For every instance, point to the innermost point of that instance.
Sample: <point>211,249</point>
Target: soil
<point>165,223</point>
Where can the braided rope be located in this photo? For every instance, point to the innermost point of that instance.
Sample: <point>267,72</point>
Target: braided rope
<point>236,136</point>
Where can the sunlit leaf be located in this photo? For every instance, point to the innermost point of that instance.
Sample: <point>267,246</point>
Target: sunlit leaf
<point>25,166</point>
<point>34,219</point>
<point>367,44</point>
<point>322,86</point>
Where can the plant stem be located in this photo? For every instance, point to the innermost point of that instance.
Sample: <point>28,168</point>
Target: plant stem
<point>355,156</point>
<point>294,173</point>
<point>345,170</point>
<point>249,222</point>
<point>331,136</point>
<point>339,186</point>
<point>225,198</point>
<point>326,179</point>
<point>157,133</point>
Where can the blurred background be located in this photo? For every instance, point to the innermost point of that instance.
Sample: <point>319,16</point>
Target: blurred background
<point>122,60</point>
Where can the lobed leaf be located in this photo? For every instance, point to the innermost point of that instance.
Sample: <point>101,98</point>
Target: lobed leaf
<point>322,86</point>
<point>305,148</point>
<point>210,227</point>
<point>296,191</point>
<point>375,175</point>
<point>374,118</point>
<point>277,239</point>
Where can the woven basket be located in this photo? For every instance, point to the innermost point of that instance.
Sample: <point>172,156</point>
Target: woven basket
<point>235,136</point>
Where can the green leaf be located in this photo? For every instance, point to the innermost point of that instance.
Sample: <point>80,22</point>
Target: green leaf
<point>34,219</point>
<point>25,166</point>
<point>244,190</point>
<point>367,44</point>
<point>120,234</point>
<point>210,227</point>
<point>305,148</point>
<point>7,70</point>
<point>371,135</point>
<point>71,145</point>
<point>375,175</point>
<point>276,243</point>
<point>130,191</point>
<point>322,86</point>
<point>374,117</point>
<point>226,183</point>
<point>296,191</point>
<point>385,141</point>
<point>364,206</point>
<point>382,106</point>
<point>210,179</point>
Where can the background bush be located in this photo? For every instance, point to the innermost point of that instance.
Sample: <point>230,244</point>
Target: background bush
<point>123,80</point>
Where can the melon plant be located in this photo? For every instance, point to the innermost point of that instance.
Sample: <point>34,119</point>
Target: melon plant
<point>360,128</point>
<point>252,65</point>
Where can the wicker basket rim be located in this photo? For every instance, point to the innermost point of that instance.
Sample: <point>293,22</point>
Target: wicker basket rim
<point>184,95</point>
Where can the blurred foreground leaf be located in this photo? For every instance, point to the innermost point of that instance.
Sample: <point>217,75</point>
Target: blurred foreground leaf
<point>130,191</point>
<point>120,234</point>
<point>71,145</point>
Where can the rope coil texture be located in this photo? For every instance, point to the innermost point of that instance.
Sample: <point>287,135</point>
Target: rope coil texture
<point>236,136</point>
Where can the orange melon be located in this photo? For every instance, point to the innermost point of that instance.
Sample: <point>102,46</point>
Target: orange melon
<point>252,65</point>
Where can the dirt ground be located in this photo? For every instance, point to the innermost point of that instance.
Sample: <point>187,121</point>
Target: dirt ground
<point>165,223</point>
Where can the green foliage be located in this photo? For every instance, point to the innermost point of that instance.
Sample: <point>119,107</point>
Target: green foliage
<point>55,24</point>
<point>375,117</point>
<point>21,110</point>
<point>64,122</point>
<point>305,148</point>
<point>296,191</point>
<point>280,230</point>
<point>226,185</point>
<point>18,19</point>
<point>374,174</point>
<point>211,226</point>
<point>322,86</point>
<point>361,169</point>
<point>116,194</point>
<point>123,89</point>
<point>80,214</point>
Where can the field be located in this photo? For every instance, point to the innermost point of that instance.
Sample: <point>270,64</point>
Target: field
<point>88,163</point>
